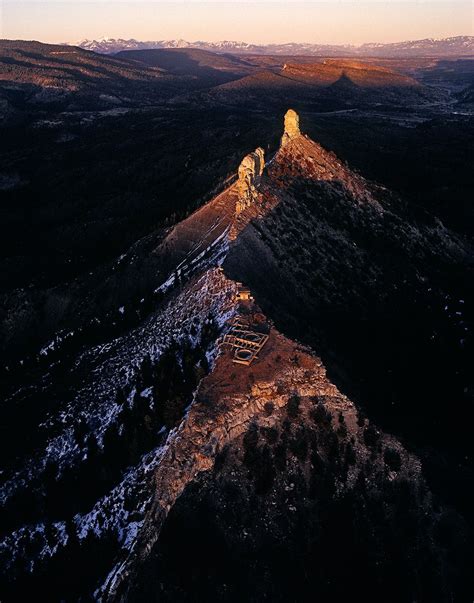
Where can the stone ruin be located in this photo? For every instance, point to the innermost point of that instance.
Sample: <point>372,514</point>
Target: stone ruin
<point>250,171</point>
<point>245,342</point>
<point>292,126</point>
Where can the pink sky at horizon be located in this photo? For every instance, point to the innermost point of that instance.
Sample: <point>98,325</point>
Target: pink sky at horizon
<point>262,22</point>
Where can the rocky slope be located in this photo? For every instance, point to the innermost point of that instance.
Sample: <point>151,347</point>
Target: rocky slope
<point>287,439</point>
<point>135,433</point>
<point>305,499</point>
<point>345,256</point>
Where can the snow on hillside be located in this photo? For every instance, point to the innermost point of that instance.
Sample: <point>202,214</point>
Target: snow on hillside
<point>112,366</point>
<point>115,364</point>
<point>454,46</point>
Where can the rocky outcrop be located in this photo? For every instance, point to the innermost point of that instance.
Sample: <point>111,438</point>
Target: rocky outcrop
<point>250,171</point>
<point>227,402</point>
<point>251,168</point>
<point>217,417</point>
<point>292,126</point>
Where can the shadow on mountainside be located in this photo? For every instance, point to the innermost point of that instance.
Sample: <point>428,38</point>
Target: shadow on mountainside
<point>190,63</point>
<point>384,302</point>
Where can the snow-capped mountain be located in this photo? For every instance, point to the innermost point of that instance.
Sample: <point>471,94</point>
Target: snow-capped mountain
<point>453,46</point>
<point>446,46</point>
<point>112,45</point>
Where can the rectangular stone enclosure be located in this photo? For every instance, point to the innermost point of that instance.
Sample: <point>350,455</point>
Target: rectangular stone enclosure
<point>245,342</point>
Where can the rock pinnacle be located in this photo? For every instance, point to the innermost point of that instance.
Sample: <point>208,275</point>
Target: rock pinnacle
<point>292,126</point>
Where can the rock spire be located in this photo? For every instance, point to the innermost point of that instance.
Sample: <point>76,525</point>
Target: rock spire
<point>292,126</point>
<point>250,171</point>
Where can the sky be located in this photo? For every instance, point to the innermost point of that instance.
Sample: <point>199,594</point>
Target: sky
<point>265,21</point>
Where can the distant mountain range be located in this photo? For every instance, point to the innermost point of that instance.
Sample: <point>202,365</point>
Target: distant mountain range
<point>455,46</point>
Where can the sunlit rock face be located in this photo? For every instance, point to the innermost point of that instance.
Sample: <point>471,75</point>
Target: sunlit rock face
<point>292,126</point>
<point>250,170</point>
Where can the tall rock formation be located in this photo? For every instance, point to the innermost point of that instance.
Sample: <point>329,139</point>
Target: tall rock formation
<point>292,126</point>
<point>250,171</point>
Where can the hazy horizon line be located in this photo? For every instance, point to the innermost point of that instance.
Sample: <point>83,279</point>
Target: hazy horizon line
<point>242,41</point>
<point>235,41</point>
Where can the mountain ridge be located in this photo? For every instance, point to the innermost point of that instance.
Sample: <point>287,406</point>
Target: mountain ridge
<point>452,46</point>
<point>298,252</point>
<point>227,405</point>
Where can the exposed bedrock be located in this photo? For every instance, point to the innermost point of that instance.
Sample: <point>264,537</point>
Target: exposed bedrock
<point>250,171</point>
<point>292,126</point>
